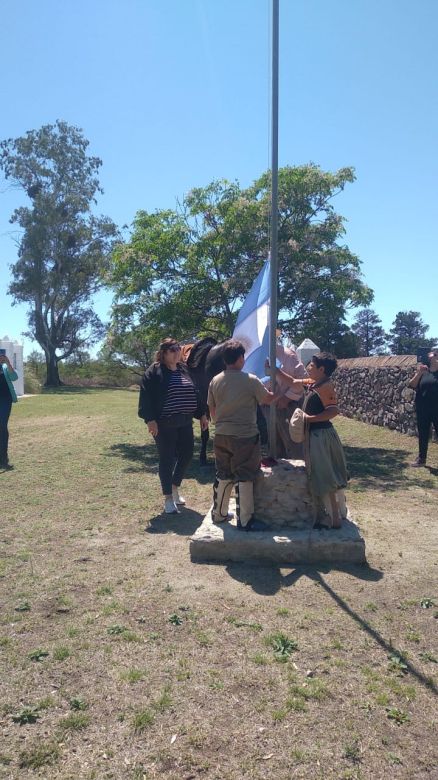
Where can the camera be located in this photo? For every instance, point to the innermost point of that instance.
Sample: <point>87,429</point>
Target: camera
<point>422,356</point>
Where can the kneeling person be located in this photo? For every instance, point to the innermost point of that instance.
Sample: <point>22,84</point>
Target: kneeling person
<point>232,399</point>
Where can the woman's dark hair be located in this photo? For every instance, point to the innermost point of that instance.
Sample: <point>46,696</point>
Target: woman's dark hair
<point>164,346</point>
<point>327,360</point>
<point>232,351</point>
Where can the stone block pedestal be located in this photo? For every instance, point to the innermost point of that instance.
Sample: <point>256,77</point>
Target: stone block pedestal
<point>282,500</point>
<point>282,497</point>
<point>225,542</point>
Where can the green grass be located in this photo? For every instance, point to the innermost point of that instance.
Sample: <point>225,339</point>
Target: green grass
<point>85,545</point>
<point>76,703</point>
<point>39,654</point>
<point>282,646</point>
<point>75,722</point>
<point>61,653</point>
<point>142,720</point>
<point>26,715</point>
<point>41,755</point>
<point>133,675</point>
<point>164,701</point>
<point>260,659</point>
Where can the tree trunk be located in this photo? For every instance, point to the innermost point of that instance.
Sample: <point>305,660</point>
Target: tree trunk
<point>52,379</point>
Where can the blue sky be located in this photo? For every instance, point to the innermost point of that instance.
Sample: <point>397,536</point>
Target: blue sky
<point>172,94</point>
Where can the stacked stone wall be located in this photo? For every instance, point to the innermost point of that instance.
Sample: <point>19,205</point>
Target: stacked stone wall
<point>374,390</point>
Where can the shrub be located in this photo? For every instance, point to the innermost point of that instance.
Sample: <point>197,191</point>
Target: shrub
<point>32,384</point>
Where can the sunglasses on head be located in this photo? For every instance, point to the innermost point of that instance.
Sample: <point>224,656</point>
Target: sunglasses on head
<point>174,348</point>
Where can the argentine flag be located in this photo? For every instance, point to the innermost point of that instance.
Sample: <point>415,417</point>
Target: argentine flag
<point>252,326</point>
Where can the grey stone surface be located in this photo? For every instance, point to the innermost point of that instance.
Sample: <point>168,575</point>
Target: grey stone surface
<point>374,390</point>
<point>225,542</point>
<point>281,495</point>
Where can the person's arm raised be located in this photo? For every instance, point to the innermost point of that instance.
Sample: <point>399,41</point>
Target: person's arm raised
<point>297,384</point>
<point>413,383</point>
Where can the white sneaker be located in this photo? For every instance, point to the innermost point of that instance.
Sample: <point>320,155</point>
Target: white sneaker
<point>177,498</point>
<point>170,507</point>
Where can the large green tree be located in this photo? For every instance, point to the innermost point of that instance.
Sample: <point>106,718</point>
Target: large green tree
<point>368,329</point>
<point>331,334</point>
<point>186,271</point>
<point>408,334</point>
<point>64,247</point>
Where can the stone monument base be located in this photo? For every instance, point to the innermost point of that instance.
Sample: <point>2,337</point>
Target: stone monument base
<point>298,546</point>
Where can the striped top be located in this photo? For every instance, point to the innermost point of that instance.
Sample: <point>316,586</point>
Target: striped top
<point>181,395</point>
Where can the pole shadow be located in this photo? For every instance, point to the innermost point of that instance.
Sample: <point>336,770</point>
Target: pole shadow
<point>268,580</point>
<point>375,635</point>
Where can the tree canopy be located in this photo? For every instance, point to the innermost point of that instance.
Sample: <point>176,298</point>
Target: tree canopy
<point>64,247</point>
<point>370,335</point>
<point>408,334</point>
<point>186,271</point>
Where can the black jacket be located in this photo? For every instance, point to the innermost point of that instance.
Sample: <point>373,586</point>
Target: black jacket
<point>426,392</point>
<point>153,392</point>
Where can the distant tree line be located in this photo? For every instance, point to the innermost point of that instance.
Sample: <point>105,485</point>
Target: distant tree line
<point>406,337</point>
<point>183,271</point>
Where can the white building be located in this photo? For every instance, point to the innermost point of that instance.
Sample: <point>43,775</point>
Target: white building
<point>306,350</point>
<point>14,351</point>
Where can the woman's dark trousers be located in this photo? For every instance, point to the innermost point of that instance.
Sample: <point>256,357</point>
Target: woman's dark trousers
<point>5,411</point>
<point>426,416</point>
<point>175,448</point>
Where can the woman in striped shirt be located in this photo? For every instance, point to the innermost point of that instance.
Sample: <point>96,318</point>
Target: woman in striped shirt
<point>168,402</point>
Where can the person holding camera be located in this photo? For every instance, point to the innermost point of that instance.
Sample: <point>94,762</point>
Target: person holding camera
<point>8,396</point>
<point>168,402</point>
<point>425,384</point>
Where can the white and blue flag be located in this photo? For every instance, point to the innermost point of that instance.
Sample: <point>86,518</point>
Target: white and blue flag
<point>252,326</point>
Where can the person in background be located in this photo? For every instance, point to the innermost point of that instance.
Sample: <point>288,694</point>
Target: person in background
<point>288,399</point>
<point>8,396</point>
<point>425,384</point>
<point>325,457</point>
<point>168,402</point>
<point>232,399</point>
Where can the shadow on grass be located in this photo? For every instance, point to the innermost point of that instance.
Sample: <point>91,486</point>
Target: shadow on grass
<point>67,390</point>
<point>183,524</point>
<point>268,580</point>
<point>77,390</point>
<point>375,635</point>
<point>140,457</point>
<point>144,457</point>
<point>376,468</point>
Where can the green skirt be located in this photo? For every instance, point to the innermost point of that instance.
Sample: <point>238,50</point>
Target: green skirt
<point>328,469</point>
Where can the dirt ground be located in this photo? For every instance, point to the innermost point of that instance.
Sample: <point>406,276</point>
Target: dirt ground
<point>120,658</point>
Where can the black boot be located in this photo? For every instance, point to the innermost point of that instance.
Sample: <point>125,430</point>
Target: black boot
<point>253,525</point>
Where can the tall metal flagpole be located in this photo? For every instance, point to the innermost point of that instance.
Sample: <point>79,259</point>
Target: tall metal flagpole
<point>274,222</point>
